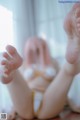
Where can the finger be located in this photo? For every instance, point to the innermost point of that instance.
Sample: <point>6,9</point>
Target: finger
<point>42,57</point>
<point>29,55</point>
<point>47,54</point>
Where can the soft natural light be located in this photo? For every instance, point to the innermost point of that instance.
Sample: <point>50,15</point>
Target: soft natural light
<point>56,48</point>
<point>43,35</point>
<point>6,27</point>
<point>6,37</point>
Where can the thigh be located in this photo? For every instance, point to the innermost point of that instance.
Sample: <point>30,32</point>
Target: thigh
<point>46,111</point>
<point>51,106</point>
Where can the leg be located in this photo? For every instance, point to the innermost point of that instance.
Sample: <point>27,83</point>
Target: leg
<point>53,102</point>
<point>76,10</point>
<point>19,91</point>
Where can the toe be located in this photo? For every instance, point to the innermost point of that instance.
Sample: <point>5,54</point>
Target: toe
<point>11,50</point>
<point>3,62</point>
<point>77,13</point>
<point>79,30</point>
<point>78,26</point>
<point>13,53</point>
<point>76,5</point>
<point>7,66</point>
<point>68,24</point>
<point>5,55</point>
<point>6,79</point>
<point>15,59</point>
<point>78,20</point>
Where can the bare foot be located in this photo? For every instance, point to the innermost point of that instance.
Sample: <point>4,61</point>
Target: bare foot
<point>12,62</point>
<point>72,28</point>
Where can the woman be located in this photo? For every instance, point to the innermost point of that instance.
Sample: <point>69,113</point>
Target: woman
<point>52,101</point>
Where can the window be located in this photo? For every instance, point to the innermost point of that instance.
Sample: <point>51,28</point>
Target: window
<point>6,37</point>
<point>6,27</point>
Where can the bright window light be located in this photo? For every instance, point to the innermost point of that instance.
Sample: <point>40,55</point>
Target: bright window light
<point>6,27</point>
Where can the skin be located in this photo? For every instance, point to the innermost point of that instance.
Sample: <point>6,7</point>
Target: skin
<point>36,52</point>
<point>39,55</point>
<point>62,82</point>
<point>72,27</point>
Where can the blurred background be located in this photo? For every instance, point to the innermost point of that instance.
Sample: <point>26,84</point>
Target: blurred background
<point>20,19</point>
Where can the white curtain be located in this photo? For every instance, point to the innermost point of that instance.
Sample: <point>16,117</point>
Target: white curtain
<point>16,24</point>
<point>6,37</point>
<point>35,17</point>
<point>49,18</point>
